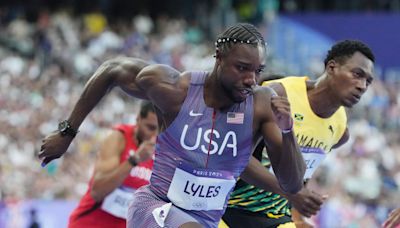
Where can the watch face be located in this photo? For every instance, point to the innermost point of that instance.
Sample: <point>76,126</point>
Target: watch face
<point>65,129</point>
<point>62,126</point>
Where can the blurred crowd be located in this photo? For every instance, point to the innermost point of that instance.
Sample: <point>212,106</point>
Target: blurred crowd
<point>43,68</point>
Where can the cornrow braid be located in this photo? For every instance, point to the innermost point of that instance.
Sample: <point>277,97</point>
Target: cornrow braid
<point>240,33</point>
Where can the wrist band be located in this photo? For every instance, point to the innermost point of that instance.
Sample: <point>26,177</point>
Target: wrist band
<point>287,131</point>
<point>290,129</point>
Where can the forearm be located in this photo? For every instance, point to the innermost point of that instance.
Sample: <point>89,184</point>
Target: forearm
<point>105,184</point>
<point>256,174</point>
<point>291,166</point>
<point>94,90</point>
<point>121,72</point>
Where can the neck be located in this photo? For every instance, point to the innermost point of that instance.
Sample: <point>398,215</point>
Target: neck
<point>136,139</point>
<point>322,99</point>
<point>214,94</point>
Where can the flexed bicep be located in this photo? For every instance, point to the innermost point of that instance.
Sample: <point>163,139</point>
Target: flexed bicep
<point>124,72</point>
<point>164,86</point>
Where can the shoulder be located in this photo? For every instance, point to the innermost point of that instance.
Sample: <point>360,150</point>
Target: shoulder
<point>263,92</point>
<point>165,74</point>
<point>184,80</point>
<point>168,72</point>
<point>310,84</point>
<point>114,136</point>
<point>262,100</point>
<point>277,87</point>
<point>166,88</point>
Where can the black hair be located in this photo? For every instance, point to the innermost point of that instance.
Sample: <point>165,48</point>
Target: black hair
<point>239,33</point>
<point>145,108</point>
<point>343,50</point>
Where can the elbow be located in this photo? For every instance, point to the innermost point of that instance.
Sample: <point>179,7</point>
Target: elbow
<point>107,71</point>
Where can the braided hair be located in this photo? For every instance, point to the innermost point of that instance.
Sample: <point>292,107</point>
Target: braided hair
<point>243,33</point>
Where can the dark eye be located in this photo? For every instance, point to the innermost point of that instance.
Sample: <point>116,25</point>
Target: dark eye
<point>241,68</point>
<point>356,74</point>
<point>369,81</point>
<point>259,71</point>
<point>152,127</point>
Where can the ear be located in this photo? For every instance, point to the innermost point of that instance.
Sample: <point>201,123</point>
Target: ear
<point>218,55</point>
<point>330,66</point>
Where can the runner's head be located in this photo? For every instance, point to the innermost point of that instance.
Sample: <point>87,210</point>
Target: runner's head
<point>146,122</point>
<point>240,58</point>
<point>349,66</point>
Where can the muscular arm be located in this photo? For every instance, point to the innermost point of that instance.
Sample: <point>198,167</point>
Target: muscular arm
<point>286,159</point>
<point>134,76</point>
<point>119,72</point>
<point>283,151</point>
<point>158,83</point>
<point>108,172</point>
<point>306,201</point>
<point>256,174</point>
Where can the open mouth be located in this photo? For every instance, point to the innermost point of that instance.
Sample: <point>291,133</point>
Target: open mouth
<point>246,92</point>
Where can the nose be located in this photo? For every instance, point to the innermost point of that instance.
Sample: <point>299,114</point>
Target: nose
<point>362,85</point>
<point>250,80</point>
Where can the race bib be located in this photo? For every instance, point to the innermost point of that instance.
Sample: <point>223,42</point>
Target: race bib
<point>200,189</point>
<point>117,202</point>
<point>312,157</point>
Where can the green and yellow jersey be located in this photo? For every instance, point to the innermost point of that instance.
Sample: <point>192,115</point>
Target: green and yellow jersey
<point>315,135</point>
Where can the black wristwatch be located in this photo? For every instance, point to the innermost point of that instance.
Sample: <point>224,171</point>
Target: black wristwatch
<point>64,127</point>
<point>132,160</point>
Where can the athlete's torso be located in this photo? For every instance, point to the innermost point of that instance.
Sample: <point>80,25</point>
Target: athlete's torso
<point>187,142</point>
<point>315,135</point>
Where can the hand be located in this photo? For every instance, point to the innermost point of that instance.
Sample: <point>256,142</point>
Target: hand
<point>306,202</point>
<point>302,224</point>
<point>281,108</point>
<point>146,150</point>
<point>53,147</point>
<point>393,220</point>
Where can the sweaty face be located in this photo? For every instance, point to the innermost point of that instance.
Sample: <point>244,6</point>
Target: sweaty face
<point>147,127</point>
<point>238,70</point>
<point>352,78</point>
